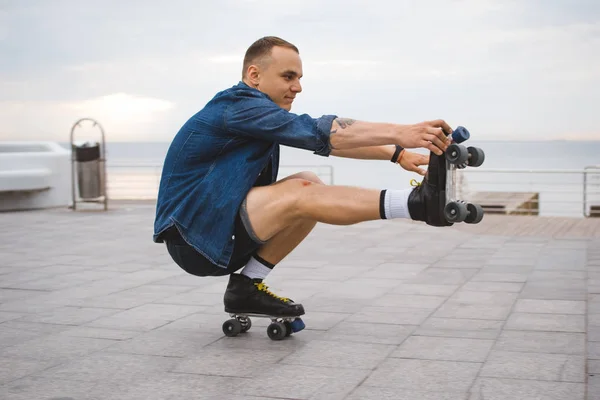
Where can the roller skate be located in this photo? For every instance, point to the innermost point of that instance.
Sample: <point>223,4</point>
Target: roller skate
<point>246,297</point>
<point>434,199</point>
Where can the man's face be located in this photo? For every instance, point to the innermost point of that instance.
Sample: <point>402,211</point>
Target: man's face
<point>280,77</point>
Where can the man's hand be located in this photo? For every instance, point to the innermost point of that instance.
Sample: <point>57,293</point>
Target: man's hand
<point>431,135</point>
<point>411,161</point>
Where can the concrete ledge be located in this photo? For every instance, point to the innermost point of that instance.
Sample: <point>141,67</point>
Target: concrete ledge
<point>507,203</point>
<point>34,175</point>
<point>25,180</point>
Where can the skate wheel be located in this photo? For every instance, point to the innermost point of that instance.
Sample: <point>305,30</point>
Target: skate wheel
<point>476,156</point>
<point>460,134</point>
<point>457,154</point>
<point>232,327</point>
<point>246,324</point>
<point>475,213</point>
<point>276,331</point>
<point>297,325</point>
<point>455,212</point>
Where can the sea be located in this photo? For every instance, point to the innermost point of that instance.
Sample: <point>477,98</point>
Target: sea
<point>565,175</point>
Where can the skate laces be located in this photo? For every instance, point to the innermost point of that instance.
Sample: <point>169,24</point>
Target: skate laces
<point>264,288</point>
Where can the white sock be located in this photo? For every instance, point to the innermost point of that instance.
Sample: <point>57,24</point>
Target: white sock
<point>257,269</point>
<point>395,204</point>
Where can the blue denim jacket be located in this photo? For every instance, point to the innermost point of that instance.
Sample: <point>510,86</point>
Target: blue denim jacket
<point>216,158</point>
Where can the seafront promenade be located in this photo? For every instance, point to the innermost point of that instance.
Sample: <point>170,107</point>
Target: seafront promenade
<point>91,308</point>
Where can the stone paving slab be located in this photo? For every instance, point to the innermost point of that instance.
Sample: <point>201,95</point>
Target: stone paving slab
<point>91,309</point>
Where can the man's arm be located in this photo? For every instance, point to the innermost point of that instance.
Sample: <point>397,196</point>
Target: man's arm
<point>347,133</point>
<point>367,153</point>
<point>410,161</point>
<point>262,119</point>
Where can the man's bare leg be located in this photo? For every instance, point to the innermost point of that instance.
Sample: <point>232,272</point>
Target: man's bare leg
<point>284,213</point>
<point>282,244</point>
<point>273,208</point>
<point>306,204</point>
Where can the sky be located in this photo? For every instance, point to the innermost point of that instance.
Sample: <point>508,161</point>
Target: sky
<point>505,69</point>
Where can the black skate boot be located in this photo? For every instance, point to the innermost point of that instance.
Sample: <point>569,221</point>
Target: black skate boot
<point>427,201</point>
<point>252,296</point>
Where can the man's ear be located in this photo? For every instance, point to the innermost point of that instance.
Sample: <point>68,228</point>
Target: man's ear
<point>253,75</point>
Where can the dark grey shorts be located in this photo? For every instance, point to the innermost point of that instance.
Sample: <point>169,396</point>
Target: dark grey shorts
<point>184,255</point>
<point>246,221</point>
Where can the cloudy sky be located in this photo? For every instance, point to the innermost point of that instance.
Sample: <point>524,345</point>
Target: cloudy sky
<point>527,69</point>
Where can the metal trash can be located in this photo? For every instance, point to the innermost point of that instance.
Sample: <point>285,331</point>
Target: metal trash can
<point>89,170</point>
<point>90,158</point>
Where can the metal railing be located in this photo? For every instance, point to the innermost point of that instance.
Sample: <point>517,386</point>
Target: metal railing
<point>591,179</point>
<point>559,192</point>
<point>140,181</point>
<point>550,192</point>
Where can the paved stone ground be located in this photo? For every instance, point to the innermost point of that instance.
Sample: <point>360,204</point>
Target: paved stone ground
<point>90,308</point>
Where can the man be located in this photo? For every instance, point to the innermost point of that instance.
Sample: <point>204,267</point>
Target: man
<point>220,208</point>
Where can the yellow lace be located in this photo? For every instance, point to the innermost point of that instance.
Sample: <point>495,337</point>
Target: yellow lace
<point>413,182</point>
<point>264,288</point>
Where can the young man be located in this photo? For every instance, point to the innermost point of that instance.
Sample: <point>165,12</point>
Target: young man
<point>220,208</point>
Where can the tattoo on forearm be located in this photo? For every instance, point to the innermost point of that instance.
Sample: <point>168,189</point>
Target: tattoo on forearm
<point>344,122</point>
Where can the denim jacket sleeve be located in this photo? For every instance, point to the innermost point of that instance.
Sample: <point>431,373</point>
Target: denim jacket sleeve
<point>262,119</point>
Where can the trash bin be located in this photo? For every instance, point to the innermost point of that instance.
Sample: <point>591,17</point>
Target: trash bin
<point>89,171</point>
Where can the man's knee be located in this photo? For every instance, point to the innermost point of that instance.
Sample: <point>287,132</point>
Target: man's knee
<point>272,208</point>
<point>288,196</point>
<point>298,194</point>
<point>309,176</point>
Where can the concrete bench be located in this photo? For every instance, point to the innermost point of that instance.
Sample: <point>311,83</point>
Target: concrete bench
<point>34,175</point>
<point>25,180</point>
